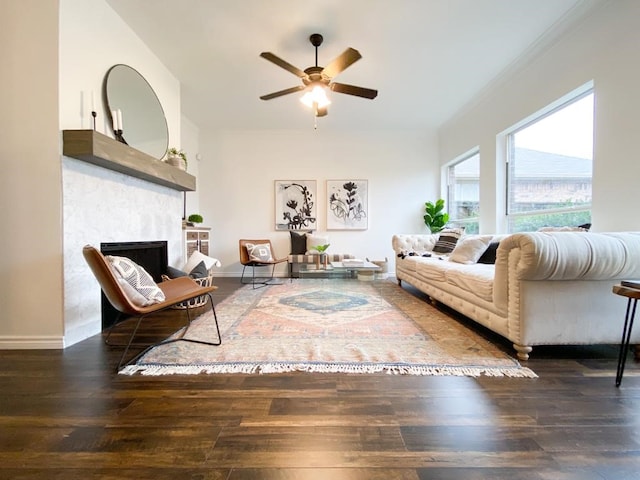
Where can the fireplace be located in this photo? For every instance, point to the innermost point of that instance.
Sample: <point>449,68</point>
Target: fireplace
<point>152,256</point>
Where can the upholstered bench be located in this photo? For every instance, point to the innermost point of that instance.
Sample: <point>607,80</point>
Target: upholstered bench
<point>302,251</point>
<point>296,260</point>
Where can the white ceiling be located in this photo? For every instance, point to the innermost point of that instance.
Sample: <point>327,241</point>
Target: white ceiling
<point>426,58</point>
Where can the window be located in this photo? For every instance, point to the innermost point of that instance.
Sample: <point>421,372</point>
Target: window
<point>463,192</point>
<point>549,168</point>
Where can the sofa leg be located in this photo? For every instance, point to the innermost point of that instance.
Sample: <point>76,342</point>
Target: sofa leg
<point>399,282</point>
<point>523,351</point>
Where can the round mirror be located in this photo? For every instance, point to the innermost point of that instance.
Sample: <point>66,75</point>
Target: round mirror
<point>139,119</point>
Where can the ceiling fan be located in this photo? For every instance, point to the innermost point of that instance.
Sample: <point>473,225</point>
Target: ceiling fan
<point>316,79</point>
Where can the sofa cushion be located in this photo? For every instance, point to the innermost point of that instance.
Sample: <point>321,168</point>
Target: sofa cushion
<point>447,240</point>
<point>431,268</point>
<point>476,279</point>
<point>470,248</point>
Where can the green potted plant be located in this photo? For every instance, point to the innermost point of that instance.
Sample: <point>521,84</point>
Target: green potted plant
<point>195,218</point>
<point>177,158</point>
<point>434,218</point>
<point>322,257</point>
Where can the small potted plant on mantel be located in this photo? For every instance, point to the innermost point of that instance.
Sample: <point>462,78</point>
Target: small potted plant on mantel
<point>177,158</point>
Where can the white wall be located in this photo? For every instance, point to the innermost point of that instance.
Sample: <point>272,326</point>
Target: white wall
<point>238,171</point>
<point>191,147</point>
<point>101,205</point>
<point>30,182</point>
<point>604,49</point>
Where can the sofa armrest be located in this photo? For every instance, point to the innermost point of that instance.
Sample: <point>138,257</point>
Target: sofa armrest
<point>570,255</point>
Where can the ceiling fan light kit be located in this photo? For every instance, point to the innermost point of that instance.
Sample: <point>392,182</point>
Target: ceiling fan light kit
<point>316,96</point>
<point>316,80</point>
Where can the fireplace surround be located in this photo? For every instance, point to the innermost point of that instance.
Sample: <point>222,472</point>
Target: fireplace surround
<point>151,255</point>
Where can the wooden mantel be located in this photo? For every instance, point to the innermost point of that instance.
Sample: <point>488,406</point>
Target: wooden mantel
<point>94,147</point>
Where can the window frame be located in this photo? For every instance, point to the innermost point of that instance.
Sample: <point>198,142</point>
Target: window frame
<point>450,187</point>
<point>509,138</point>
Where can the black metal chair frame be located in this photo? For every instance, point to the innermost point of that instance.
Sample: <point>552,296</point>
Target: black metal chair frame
<point>122,363</point>
<point>257,282</point>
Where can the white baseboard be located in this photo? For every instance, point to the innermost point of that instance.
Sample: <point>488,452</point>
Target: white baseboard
<point>16,342</point>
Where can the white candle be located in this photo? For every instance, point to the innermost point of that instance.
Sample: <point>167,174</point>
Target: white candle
<point>93,102</point>
<point>120,120</point>
<point>114,120</point>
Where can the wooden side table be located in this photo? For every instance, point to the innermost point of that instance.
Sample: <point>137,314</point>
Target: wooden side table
<point>632,294</point>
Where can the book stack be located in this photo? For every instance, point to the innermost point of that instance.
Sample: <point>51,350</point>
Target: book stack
<point>631,283</point>
<point>356,262</point>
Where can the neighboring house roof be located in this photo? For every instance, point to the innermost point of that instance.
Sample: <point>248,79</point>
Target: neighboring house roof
<point>533,164</point>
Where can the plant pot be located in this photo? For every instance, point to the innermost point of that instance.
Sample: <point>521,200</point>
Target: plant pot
<point>177,161</point>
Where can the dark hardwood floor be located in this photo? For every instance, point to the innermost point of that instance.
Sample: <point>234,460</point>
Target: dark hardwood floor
<point>67,415</point>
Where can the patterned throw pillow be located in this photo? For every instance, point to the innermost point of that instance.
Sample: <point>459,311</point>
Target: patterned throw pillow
<point>142,289</point>
<point>447,240</point>
<point>260,252</point>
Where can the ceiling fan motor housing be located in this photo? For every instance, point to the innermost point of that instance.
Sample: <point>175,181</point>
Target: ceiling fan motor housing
<point>314,75</point>
<point>316,39</point>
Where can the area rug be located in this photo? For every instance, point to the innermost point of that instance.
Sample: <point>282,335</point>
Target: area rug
<point>330,326</point>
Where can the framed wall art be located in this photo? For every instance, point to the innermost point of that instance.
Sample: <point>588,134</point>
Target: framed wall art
<point>347,207</point>
<point>296,204</point>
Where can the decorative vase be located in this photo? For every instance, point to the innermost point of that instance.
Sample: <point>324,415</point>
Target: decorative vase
<point>176,161</point>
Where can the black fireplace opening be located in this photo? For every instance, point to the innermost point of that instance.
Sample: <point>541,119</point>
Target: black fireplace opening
<point>152,256</point>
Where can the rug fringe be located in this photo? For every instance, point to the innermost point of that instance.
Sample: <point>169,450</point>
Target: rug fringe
<point>266,368</point>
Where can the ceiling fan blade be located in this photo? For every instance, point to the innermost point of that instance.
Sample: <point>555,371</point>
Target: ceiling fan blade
<point>353,90</point>
<point>282,92</point>
<point>281,63</point>
<point>338,64</point>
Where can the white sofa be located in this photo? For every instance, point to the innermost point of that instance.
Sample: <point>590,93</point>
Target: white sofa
<point>551,288</point>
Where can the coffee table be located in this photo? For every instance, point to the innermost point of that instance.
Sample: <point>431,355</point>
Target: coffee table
<point>339,270</point>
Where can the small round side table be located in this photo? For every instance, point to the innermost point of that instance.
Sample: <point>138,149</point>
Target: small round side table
<point>632,294</point>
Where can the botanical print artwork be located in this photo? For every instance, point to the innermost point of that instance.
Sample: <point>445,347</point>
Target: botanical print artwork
<point>295,204</point>
<point>347,208</point>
